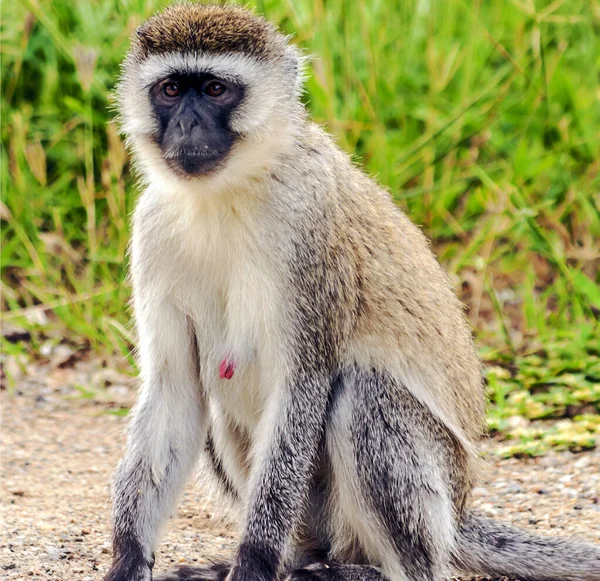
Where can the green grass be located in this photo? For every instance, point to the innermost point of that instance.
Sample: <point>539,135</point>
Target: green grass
<point>481,117</point>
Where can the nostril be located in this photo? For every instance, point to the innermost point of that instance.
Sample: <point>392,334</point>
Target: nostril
<point>186,124</point>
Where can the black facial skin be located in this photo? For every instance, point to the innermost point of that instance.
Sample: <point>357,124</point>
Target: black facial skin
<point>194,121</point>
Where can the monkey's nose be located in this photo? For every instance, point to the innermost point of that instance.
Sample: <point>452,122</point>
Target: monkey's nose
<point>186,123</point>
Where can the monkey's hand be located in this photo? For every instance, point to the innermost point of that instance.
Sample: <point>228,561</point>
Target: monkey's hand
<point>129,569</point>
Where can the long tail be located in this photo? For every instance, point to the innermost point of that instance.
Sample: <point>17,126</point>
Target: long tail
<point>493,548</point>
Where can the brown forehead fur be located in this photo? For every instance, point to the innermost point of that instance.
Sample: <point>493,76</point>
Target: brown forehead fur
<point>192,28</point>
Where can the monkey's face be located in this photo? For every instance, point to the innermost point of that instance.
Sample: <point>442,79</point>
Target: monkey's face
<point>194,120</point>
<point>209,98</point>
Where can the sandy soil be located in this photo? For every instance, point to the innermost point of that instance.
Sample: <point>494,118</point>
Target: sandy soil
<point>59,451</point>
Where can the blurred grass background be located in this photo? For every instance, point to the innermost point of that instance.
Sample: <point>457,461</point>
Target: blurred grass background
<point>482,117</point>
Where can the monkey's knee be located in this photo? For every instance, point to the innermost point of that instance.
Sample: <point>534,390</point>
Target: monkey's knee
<point>213,572</point>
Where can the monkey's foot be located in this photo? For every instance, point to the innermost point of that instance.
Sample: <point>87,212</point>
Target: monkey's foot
<point>349,572</point>
<point>336,572</point>
<point>213,572</point>
<point>315,572</point>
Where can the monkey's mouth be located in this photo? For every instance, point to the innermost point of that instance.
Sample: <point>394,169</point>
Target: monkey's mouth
<point>195,162</point>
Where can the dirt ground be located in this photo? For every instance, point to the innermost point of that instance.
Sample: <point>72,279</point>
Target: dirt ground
<point>59,450</point>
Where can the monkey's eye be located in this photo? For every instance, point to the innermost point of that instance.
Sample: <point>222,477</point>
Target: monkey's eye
<point>215,89</point>
<point>171,89</point>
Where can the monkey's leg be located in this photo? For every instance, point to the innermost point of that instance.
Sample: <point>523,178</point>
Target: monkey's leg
<point>390,489</point>
<point>165,435</point>
<point>285,455</point>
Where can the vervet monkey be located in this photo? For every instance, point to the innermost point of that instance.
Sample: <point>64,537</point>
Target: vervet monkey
<point>294,329</point>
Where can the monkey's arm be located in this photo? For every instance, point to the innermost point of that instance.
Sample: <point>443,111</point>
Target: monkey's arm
<point>165,435</point>
<point>293,429</point>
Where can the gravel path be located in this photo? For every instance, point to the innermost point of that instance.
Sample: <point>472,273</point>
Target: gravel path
<point>59,451</point>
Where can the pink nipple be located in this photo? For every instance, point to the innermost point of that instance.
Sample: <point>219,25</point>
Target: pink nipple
<point>226,369</point>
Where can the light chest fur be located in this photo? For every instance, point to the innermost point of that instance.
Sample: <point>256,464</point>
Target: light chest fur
<point>219,272</point>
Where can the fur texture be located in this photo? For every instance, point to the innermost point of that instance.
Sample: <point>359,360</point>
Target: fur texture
<point>197,28</point>
<point>349,428</point>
